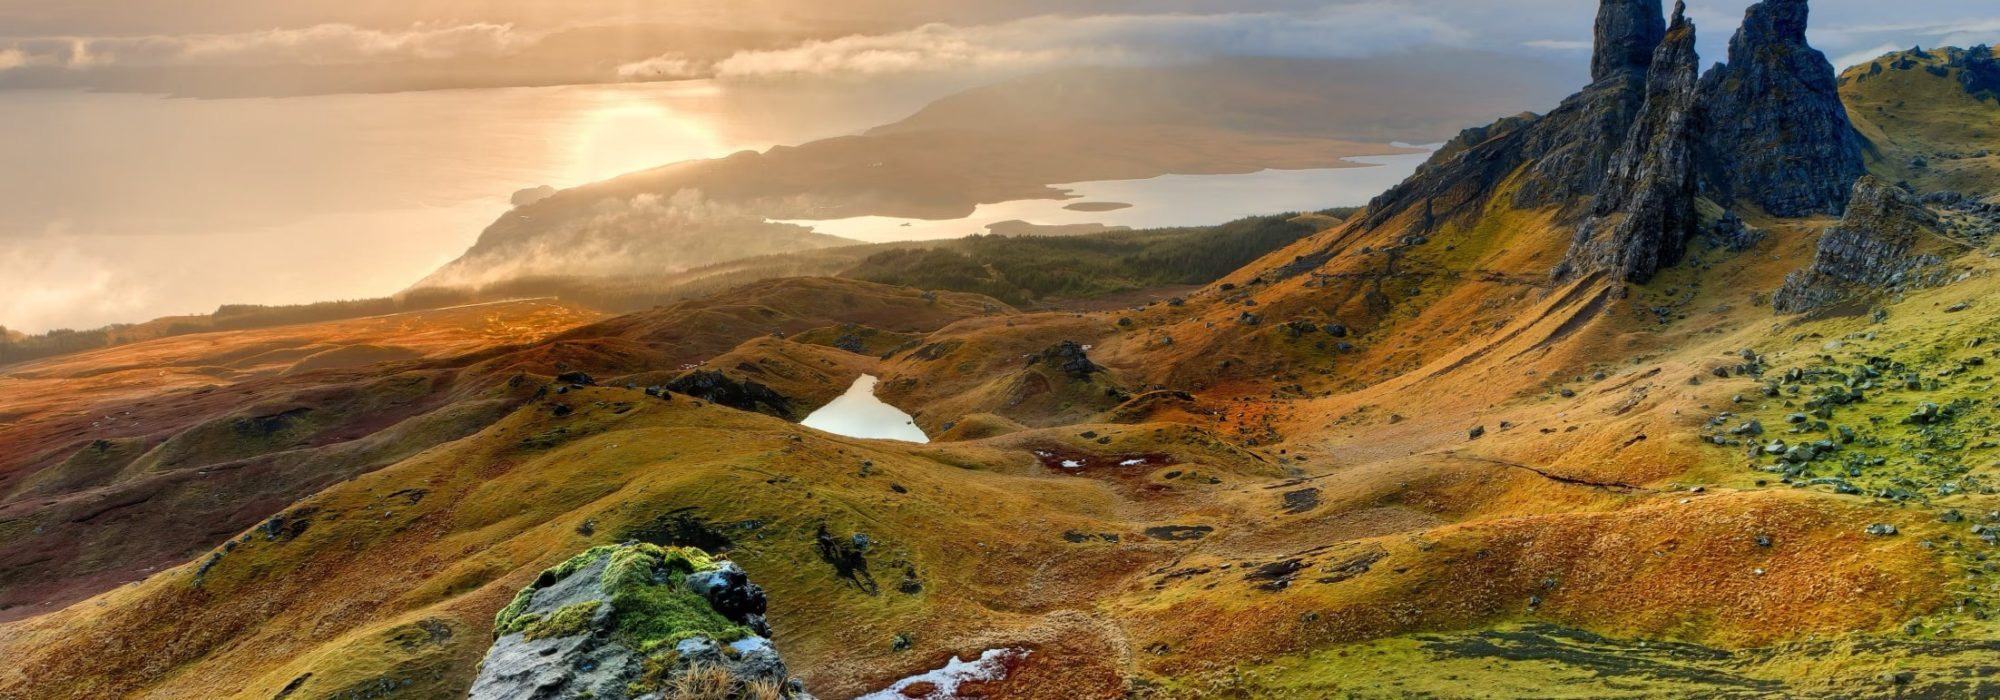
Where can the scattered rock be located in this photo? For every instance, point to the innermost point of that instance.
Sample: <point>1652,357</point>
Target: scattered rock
<point>1179,533</point>
<point>1301,501</point>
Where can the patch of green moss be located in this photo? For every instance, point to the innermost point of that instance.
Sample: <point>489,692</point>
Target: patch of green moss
<point>510,618</point>
<point>563,570</point>
<point>645,586</point>
<point>569,621</point>
<point>655,608</point>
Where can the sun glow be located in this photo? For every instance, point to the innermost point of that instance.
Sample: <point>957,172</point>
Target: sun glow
<point>629,133</point>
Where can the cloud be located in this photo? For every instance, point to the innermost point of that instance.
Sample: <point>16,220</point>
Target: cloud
<point>1557,45</point>
<point>1865,55</point>
<point>1335,31</point>
<point>667,67</point>
<point>12,58</point>
<point>57,277</point>
<point>1860,43</point>
<point>325,44</point>
<point>645,234</point>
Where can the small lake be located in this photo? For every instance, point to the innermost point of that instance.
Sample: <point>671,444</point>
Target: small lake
<point>858,413</point>
<point>1165,201</point>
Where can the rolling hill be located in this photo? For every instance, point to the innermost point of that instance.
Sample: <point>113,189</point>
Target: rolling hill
<point>1602,402</point>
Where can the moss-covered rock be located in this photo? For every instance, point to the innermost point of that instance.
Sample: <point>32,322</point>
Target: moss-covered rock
<point>635,621</point>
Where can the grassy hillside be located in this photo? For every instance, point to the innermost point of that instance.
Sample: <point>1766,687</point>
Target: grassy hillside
<point>22,347</point>
<point>1257,537</point>
<point>1391,458</point>
<point>1028,269</point>
<point>1933,117</point>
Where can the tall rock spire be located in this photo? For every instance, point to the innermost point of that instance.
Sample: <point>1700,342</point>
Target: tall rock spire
<point>1645,213</point>
<point>1778,135</point>
<point>1627,32</point>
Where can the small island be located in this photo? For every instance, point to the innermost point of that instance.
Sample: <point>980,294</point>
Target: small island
<point>1097,206</point>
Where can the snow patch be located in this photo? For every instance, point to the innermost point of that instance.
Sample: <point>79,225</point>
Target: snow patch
<point>992,665</point>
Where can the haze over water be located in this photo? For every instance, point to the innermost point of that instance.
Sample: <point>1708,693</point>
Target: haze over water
<point>125,207</point>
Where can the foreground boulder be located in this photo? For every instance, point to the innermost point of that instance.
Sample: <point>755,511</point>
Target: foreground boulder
<point>636,622</point>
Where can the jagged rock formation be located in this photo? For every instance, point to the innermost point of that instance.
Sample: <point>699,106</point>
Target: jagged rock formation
<point>1627,158</point>
<point>1646,213</point>
<point>1873,248</point>
<point>635,621</point>
<point>1627,32</point>
<point>1777,133</point>
<point>1565,152</point>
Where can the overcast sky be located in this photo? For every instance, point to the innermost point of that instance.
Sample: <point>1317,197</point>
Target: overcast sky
<point>879,36</point>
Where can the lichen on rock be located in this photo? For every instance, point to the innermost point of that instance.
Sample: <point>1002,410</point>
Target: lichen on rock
<point>635,621</point>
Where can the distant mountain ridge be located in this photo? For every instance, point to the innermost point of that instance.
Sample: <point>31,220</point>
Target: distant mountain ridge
<point>997,143</point>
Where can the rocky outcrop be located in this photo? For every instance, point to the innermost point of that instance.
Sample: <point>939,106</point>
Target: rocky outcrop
<point>1069,357</point>
<point>1568,151</point>
<point>1778,135</point>
<point>722,389</point>
<point>1872,249</point>
<point>635,622</point>
<point>1565,152</point>
<point>1629,160</point>
<point>1645,214</point>
<point>1626,35</point>
<point>1978,72</point>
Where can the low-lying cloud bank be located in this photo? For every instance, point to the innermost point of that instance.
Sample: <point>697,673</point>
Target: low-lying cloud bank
<point>644,234</point>
<point>1336,31</point>
<point>1344,31</point>
<point>326,44</point>
<point>1852,30</point>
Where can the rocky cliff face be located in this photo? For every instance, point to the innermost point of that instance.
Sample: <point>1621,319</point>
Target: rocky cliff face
<point>1565,152</point>
<point>1645,214</point>
<point>1626,158</point>
<point>636,622</point>
<point>1626,35</point>
<point>1777,134</point>
<point>1872,249</point>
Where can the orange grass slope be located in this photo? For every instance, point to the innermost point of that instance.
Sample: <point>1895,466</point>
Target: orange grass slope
<point>1152,574</point>
<point>189,451</point>
<point>103,445</point>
